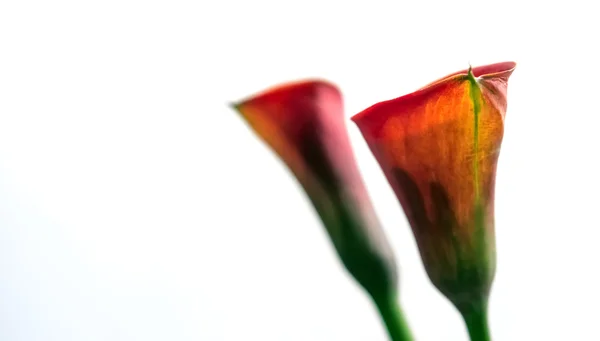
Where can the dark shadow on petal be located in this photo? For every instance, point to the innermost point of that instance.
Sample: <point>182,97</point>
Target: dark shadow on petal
<point>444,215</point>
<point>451,261</point>
<point>413,202</point>
<point>471,275</point>
<point>312,149</point>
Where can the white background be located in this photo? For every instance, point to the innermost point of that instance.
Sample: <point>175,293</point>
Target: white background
<point>135,205</point>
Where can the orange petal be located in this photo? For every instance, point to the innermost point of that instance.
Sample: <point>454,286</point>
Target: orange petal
<point>438,148</point>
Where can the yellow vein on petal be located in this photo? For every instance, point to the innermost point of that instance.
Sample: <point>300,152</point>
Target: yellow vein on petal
<point>475,94</point>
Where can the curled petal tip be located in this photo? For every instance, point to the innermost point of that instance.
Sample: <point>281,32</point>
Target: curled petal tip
<point>493,70</point>
<point>234,105</point>
<point>470,73</point>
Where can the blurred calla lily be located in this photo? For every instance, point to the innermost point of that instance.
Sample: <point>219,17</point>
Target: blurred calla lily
<point>438,148</point>
<point>304,124</point>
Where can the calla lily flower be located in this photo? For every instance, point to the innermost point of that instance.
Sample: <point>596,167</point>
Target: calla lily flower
<point>304,124</point>
<point>438,148</point>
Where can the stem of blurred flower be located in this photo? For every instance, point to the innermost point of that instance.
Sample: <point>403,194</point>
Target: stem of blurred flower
<point>477,322</point>
<point>394,318</point>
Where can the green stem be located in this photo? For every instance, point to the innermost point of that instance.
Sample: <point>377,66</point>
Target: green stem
<point>393,317</point>
<point>477,322</point>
